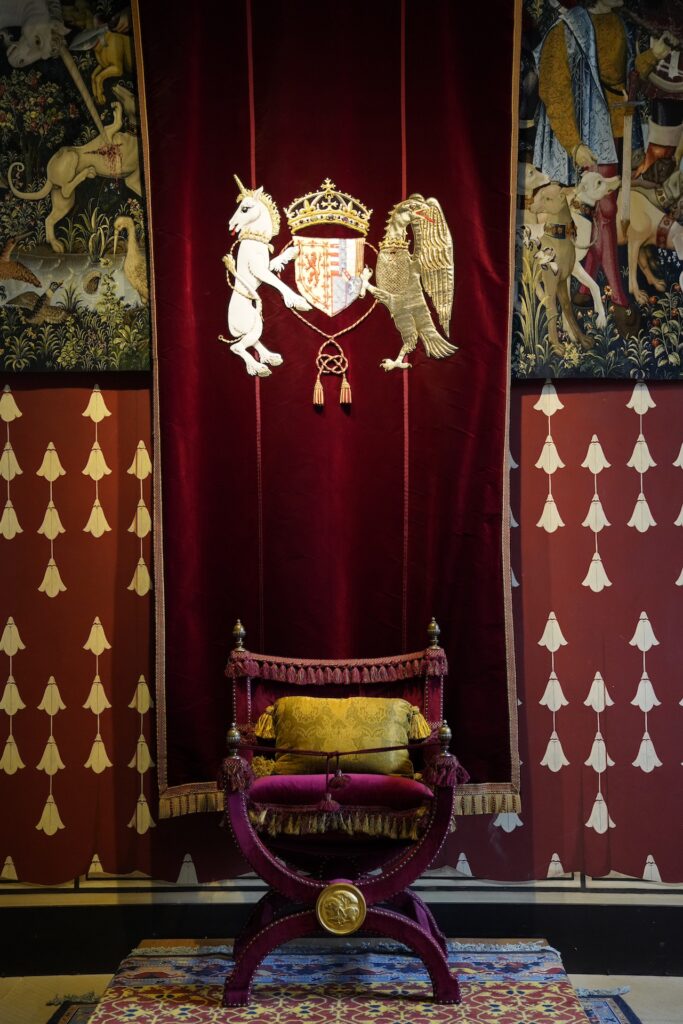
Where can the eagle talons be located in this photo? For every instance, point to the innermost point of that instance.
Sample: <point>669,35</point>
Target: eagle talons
<point>395,364</point>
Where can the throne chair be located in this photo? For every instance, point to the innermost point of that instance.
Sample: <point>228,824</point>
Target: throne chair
<point>339,791</point>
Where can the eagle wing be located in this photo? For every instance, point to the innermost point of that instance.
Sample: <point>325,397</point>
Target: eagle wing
<point>434,252</point>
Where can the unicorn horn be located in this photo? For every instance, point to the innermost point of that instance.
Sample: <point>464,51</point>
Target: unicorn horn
<point>243,191</point>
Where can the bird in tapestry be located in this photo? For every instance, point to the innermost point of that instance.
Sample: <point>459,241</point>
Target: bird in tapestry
<point>38,309</point>
<point>135,262</point>
<point>403,277</point>
<point>13,270</point>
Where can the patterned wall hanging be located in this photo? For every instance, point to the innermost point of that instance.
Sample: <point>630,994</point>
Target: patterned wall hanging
<point>599,760</point>
<point>97,701</point>
<point>11,703</point>
<point>555,869</point>
<point>142,759</point>
<point>9,468</point>
<point>51,469</point>
<point>96,467</point>
<point>600,192</point>
<point>73,267</point>
<point>141,467</point>
<point>679,519</point>
<point>651,871</point>
<point>641,460</point>
<point>645,699</point>
<point>596,578</point>
<point>549,460</point>
<point>514,525</point>
<point>51,762</point>
<point>553,698</point>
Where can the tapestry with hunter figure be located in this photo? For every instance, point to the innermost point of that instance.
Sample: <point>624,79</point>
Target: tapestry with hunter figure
<point>74,292</point>
<point>600,191</point>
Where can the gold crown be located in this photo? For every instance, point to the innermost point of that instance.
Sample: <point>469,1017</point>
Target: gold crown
<point>267,201</point>
<point>328,206</point>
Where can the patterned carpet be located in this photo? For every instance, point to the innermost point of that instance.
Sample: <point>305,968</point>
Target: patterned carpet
<point>355,984</point>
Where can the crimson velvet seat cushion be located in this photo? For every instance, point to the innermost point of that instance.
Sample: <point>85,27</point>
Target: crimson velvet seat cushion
<point>379,806</point>
<point>390,791</point>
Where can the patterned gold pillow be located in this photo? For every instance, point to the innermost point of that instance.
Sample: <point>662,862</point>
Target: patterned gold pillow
<point>350,723</point>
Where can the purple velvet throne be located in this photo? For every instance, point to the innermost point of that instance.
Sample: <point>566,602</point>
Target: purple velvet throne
<point>338,849</point>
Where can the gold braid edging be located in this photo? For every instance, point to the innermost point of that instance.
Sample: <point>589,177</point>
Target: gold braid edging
<point>466,803</point>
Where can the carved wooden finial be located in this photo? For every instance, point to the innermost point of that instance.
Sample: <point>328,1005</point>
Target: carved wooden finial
<point>239,634</point>
<point>433,632</point>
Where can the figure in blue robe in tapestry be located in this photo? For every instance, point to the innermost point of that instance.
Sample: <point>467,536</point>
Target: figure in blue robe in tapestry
<point>586,62</point>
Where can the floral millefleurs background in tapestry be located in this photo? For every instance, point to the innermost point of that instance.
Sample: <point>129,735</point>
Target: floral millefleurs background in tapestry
<point>74,286</point>
<point>600,190</point>
<point>597,496</point>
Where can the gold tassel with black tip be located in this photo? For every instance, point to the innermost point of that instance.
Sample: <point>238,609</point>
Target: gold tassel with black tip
<point>345,393</point>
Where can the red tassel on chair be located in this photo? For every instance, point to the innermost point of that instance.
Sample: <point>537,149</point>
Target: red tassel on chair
<point>327,804</point>
<point>445,770</point>
<point>236,775</point>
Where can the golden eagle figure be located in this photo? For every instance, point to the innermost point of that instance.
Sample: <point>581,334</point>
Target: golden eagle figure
<point>403,277</point>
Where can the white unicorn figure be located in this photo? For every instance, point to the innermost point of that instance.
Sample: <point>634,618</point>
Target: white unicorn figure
<point>255,221</point>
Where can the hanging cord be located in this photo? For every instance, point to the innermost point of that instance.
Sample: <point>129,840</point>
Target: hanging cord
<point>257,380</point>
<point>406,383</point>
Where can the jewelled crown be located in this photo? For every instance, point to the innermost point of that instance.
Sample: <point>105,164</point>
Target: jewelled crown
<point>328,206</point>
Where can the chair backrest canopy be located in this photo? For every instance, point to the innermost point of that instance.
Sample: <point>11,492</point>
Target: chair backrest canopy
<point>258,680</point>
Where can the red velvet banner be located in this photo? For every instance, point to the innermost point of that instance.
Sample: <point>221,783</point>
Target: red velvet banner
<point>333,532</point>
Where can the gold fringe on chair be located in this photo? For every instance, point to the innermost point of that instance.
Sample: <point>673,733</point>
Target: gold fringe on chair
<point>190,803</point>
<point>262,766</point>
<point>296,822</point>
<point>264,728</point>
<point>486,803</point>
<point>467,801</point>
<point>419,728</point>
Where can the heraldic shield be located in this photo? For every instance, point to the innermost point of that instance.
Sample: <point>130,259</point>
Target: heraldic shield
<point>328,271</point>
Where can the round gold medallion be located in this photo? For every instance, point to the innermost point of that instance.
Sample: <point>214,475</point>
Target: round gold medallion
<point>340,908</point>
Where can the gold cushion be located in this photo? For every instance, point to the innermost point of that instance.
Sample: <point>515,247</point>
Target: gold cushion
<point>349,723</point>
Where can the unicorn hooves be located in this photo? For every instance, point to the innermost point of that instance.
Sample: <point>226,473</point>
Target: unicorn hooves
<point>259,370</point>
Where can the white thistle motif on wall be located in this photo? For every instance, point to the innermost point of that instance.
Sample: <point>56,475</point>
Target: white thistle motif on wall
<point>596,578</point>
<point>645,699</point>
<point>641,460</point>
<point>96,467</point>
<point>9,467</point>
<point>553,698</point>
<point>141,468</point>
<point>598,759</point>
<point>549,460</point>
